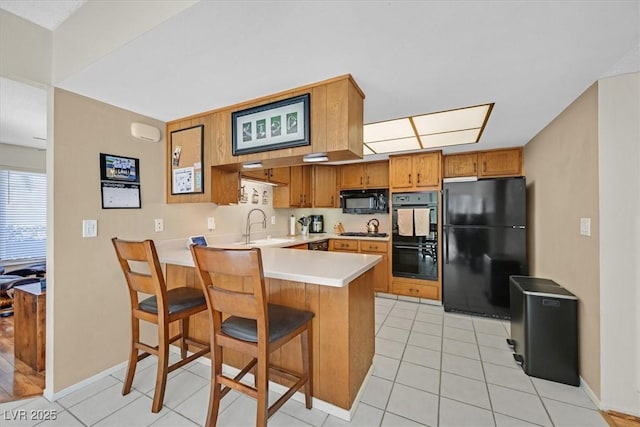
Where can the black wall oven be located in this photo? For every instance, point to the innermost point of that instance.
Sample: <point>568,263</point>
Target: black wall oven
<point>414,239</point>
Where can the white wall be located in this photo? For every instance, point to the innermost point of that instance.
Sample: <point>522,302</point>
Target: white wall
<point>619,164</point>
<point>22,158</point>
<point>26,50</point>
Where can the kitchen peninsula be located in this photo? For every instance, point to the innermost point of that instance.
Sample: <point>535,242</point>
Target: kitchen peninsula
<point>337,287</point>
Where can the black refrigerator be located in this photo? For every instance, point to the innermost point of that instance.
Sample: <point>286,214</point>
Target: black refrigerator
<point>484,243</point>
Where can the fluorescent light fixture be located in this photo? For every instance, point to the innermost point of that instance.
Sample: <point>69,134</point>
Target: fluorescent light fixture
<point>450,138</point>
<point>452,120</point>
<point>366,150</point>
<point>433,130</point>
<point>404,144</point>
<point>315,158</point>
<point>254,165</point>
<point>391,129</point>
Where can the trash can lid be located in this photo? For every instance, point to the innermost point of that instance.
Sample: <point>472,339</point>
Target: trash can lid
<point>540,287</point>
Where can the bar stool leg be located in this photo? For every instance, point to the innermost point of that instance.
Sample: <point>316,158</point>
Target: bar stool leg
<point>216,387</point>
<point>163,363</point>
<point>133,356</point>
<point>305,341</point>
<point>262,384</point>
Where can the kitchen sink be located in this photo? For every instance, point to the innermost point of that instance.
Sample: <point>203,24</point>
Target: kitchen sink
<point>265,242</point>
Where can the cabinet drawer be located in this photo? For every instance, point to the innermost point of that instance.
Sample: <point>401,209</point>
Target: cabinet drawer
<point>416,290</point>
<point>344,245</point>
<point>372,246</point>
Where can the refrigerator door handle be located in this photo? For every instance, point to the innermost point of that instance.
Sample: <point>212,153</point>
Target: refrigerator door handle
<point>446,206</point>
<point>446,246</point>
<point>520,227</point>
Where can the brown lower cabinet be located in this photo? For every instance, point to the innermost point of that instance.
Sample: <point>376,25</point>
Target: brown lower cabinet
<point>374,247</point>
<point>416,288</point>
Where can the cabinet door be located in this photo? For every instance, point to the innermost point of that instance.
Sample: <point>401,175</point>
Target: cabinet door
<point>296,187</point>
<point>381,274</point>
<point>427,169</point>
<point>501,163</point>
<point>279,175</point>
<point>351,176</point>
<point>306,187</point>
<point>377,175</point>
<point>324,186</point>
<point>456,165</point>
<point>225,186</point>
<point>400,172</point>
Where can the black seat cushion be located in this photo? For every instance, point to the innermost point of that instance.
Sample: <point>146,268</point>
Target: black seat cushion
<point>179,299</point>
<point>282,320</point>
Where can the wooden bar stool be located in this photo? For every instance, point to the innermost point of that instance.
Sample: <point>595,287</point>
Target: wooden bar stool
<point>162,308</point>
<point>253,327</point>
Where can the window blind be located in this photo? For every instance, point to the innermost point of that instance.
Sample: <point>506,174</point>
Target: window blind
<point>23,215</point>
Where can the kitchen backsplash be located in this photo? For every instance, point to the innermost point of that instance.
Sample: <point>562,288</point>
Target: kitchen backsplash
<point>350,222</point>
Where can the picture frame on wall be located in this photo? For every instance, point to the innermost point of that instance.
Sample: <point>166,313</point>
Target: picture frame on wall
<point>273,126</point>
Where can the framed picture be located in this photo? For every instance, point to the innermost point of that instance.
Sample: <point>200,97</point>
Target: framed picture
<point>187,151</point>
<point>118,168</point>
<point>280,124</point>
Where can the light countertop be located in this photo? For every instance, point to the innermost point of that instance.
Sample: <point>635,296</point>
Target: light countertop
<point>315,267</point>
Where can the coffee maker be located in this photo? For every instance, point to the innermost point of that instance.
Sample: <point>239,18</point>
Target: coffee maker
<point>317,224</point>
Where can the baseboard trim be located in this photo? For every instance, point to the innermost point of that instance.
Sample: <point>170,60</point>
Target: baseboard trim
<point>51,396</point>
<point>327,407</point>
<point>590,393</point>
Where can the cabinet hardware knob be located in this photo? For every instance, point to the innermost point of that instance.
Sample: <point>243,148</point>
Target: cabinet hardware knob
<point>360,180</point>
<point>474,167</point>
<point>367,179</point>
<point>418,178</point>
<point>409,178</point>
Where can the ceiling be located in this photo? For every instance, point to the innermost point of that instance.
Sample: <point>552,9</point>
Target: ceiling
<point>531,59</point>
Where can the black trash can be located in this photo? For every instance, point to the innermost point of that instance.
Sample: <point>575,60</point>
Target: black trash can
<point>544,329</point>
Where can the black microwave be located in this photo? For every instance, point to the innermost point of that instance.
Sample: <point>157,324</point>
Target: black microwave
<point>364,201</point>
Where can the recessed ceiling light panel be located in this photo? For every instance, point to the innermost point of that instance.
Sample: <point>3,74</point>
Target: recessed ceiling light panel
<point>449,121</point>
<point>391,129</point>
<point>450,138</point>
<point>394,145</point>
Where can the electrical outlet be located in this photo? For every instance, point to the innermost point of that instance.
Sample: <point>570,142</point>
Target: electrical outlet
<point>585,226</point>
<point>273,220</point>
<point>211,223</point>
<point>89,228</point>
<point>158,224</point>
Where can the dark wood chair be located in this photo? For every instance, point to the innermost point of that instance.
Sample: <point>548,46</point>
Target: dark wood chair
<point>162,308</point>
<point>253,327</point>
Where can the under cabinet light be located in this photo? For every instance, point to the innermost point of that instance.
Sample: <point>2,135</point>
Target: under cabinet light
<point>254,165</point>
<point>315,158</point>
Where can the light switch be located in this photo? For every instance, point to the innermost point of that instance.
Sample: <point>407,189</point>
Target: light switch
<point>158,224</point>
<point>89,228</point>
<point>211,223</point>
<point>273,220</point>
<point>585,226</point>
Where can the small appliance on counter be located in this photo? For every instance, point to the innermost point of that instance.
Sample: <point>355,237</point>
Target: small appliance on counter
<point>316,224</point>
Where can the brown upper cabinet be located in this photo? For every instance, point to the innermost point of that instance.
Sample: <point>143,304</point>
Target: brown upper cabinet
<point>298,193</point>
<point>459,165</point>
<point>415,171</point>
<point>324,189</point>
<point>484,164</point>
<point>358,176</point>
<point>496,163</point>
<point>271,175</point>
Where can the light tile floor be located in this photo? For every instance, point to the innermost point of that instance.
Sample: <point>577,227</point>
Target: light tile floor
<point>431,369</point>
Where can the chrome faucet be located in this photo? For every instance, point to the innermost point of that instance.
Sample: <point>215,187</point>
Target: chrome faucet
<point>249,223</point>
